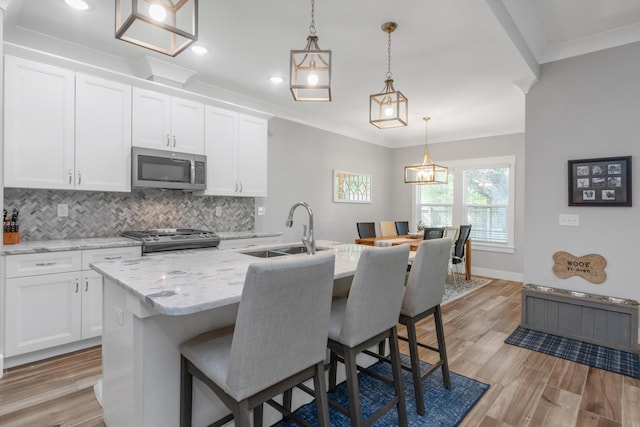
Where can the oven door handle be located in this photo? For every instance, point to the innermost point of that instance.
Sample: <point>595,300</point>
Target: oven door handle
<point>193,172</point>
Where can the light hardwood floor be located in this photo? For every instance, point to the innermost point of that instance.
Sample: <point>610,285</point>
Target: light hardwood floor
<point>527,388</point>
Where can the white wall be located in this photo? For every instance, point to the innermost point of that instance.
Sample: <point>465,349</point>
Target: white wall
<point>583,107</point>
<point>300,168</point>
<point>492,264</point>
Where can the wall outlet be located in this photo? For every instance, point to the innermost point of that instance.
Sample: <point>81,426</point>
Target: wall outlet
<point>63,210</point>
<point>118,316</point>
<point>569,220</point>
<point>218,210</point>
<point>261,210</point>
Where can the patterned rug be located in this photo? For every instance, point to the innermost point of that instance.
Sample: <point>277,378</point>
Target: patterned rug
<point>442,407</point>
<point>463,287</point>
<point>608,359</point>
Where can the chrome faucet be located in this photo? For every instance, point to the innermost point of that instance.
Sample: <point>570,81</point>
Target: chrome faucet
<point>307,240</point>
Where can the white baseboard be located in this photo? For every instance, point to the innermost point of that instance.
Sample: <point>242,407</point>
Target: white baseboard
<point>498,274</point>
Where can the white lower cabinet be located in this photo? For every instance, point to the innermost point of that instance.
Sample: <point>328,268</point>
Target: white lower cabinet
<point>54,298</point>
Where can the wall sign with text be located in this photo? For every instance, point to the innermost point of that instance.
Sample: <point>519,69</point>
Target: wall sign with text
<point>600,182</point>
<point>589,267</point>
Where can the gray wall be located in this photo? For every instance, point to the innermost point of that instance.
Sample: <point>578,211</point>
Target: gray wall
<point>493,264</point>
<point>583,107</point>
<point>301,164</point>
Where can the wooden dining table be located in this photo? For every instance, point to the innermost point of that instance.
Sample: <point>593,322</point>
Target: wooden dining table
<point>405,239</point>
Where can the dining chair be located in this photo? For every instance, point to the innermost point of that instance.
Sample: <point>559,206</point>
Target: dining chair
<point>366,229</point>
<point>368,316</point>
<point>459,254</point>
<point>433,233</point>
<point>402,227</point>
<point>279,340</point>
<point>422,298</point>
<point>388,229</point>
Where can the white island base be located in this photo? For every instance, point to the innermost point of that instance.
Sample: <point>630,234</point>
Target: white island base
<point>141,364</point>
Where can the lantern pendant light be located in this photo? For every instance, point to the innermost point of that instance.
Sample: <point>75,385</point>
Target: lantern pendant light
<point>427,172</point>
<point>390,108</point>
<point>310,72</point>
<point>165,26</point>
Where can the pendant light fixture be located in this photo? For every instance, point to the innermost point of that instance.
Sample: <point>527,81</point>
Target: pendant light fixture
<point>427,172</point>
<point>390,108</point>
<point>165,26</point>
<point>310,74</point>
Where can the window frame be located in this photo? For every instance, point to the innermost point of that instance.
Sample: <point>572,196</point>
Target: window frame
<point>459,206</point>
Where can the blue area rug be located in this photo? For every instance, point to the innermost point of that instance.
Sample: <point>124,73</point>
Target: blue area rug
<point>442,407</point>
<point>608,359</point>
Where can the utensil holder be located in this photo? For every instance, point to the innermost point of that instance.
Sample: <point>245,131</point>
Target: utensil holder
<point>11,238</point>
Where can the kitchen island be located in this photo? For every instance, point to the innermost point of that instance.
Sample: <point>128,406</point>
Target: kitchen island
<point>151,305</point>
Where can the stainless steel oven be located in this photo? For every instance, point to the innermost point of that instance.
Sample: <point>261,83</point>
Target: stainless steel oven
<point>167,169</point>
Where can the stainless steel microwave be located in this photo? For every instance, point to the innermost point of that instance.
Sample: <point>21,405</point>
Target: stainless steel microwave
<point>167,169</point>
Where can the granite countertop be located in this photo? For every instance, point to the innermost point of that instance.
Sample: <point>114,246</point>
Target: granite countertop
<point>39,246</point>
<point>186,282</point>
<point>231,235</point>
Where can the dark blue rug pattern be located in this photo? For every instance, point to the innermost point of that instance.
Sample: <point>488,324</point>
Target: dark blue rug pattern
<point>608,359</point>
<point>443,407</point>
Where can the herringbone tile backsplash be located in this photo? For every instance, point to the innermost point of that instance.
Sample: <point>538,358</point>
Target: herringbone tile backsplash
<point>103,214</point>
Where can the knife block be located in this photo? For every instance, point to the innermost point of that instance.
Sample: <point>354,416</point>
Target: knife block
<point>11,238</point>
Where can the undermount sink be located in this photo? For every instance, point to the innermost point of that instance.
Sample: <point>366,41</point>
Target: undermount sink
<point>276,252</point>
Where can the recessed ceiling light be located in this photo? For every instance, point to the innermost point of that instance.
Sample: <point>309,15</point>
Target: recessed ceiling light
<point>276,80</point>
<point>77,4</point>
<point>199,50</point>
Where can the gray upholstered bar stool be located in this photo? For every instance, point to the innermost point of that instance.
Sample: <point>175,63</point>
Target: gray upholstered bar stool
<point>279,340</point>
<point>366,317</point>
<point>422,297</point>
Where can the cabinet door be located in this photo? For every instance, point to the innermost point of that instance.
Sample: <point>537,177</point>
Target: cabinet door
<point>151,119</point>
<point>91,304</point>
<point>187,126</point>
<point>252,156</point>
<point>103,134</point>
<point>39,125</point>
<point>42,312</point>
<point>221,137</point>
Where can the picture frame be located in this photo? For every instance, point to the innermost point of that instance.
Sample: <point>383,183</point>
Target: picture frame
<point>603,181</point>
<point>351,187</point>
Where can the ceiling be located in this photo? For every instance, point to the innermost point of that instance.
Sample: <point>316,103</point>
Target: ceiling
<point>465,63</point>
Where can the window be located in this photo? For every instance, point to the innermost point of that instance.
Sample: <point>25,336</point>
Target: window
<point>480,192</point>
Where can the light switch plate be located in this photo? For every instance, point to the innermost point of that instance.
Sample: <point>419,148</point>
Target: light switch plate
<point>218,210</point>
<point>569,220</point>
<point>260,210</point>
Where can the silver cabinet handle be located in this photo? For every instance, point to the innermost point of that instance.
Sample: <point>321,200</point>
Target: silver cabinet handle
<point>77,284</point>
<point>86,284</point>
<point>174,141</point>
<point>241,187</point>
<point>79,177</point>
<point>168,143</point>
<point>110,258</point>
<point>236,187</point>
<point>70,177</point>
<point>46,264</point>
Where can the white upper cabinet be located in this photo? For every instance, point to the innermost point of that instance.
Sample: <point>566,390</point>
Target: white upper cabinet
<point>65,131</point>
<point>167,123</point>
<point>236,149</point>
<point>103,134</point>
<point>39,125</point>
<point>252,156</point>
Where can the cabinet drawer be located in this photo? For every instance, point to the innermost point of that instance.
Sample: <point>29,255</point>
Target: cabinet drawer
<point>42,263</point>
<point>108,254</point>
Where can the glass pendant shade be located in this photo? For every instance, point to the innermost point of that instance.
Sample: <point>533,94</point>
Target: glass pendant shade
<point>165,26</point>
<point>427,172</point>
<point>388,109</point>
<point>310,74</point>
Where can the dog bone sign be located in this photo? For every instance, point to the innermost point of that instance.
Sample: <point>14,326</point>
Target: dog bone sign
<point>589,267</point>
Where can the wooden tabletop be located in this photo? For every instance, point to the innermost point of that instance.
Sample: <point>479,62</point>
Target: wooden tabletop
<point>406,240</point>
